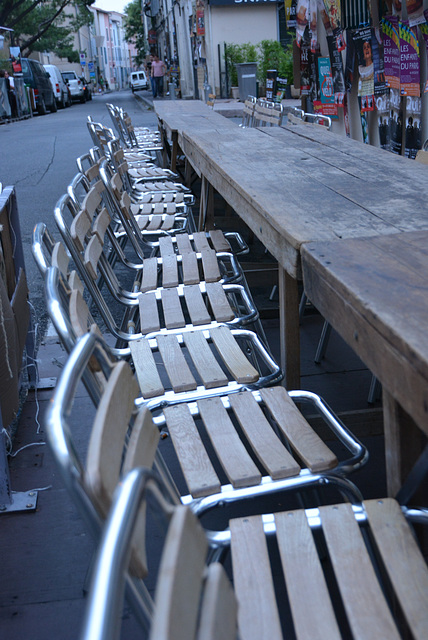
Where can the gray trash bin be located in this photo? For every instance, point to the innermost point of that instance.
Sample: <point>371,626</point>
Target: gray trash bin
<point>247,79</point>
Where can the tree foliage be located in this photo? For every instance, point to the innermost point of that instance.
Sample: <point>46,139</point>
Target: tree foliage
<point>134,30</point>
<point>269,54</point>
<point>44,25</point>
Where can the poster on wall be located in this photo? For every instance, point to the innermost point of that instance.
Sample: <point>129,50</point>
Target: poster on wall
<point>409,60</point>
<point>413,135</point>
<point>396,121</point>
<point>363,48</point>
<point>337,70</point>
<point>391,51</point>
<point>290,13</point>
<point>382,110</point>
<point>332,9</point>
<point>415,12</point>
<point>326,104</point>
<point>302,20</point>
<point>305,71</point>
<point>423,28</point>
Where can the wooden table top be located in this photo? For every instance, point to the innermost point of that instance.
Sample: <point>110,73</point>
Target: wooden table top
<point>374,291</point>
<point>299,184</point>
<point>180,115</point>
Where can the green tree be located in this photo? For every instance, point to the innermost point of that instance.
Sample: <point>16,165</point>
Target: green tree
<point>134,30</point>
<point>42,25</point>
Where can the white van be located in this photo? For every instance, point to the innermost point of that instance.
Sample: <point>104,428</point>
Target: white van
<point>138,80</point>
<point>59,87</point>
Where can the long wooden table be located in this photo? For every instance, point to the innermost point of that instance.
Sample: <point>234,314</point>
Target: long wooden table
<point>374,291</point>
<point>176,116</point>
<point>299,184</point>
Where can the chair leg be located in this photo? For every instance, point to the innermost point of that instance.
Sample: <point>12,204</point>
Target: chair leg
<point>323,342</point>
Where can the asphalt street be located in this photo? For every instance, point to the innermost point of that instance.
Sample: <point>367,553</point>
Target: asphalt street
<point>38,157</point>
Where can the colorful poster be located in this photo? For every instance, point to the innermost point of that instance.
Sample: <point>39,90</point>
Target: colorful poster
<point>423,28</point>
<point>413,135</point>
<point>313,4</point>
<point>305,72</point>
<point>378,62</point>
<point>349,64</point>
<point>302,19</point>
<point>391,51</point>
<point>415,12</point>
<point>409,61</point>
<point>200,22</point>
<point>363,48</point>
<point>364,123</point>
<point>332,9</point>
<point>290,13</point>
<point>314,92</point>
<point>396,121</point>
<point>326,104</point>
<point>337,70</point>
<point>383,109</point>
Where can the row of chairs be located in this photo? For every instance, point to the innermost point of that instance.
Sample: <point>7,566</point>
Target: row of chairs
<point>241,447</point>
<point>266,113</point>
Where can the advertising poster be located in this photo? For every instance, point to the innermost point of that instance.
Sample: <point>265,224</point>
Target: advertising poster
<point>332,9</point>
<point>305,70</point>
<point>364,123</point>
<point>337,70</point>
<point>391,51</point>
<point>326,104</point>
<point>396,121</point>
<point>383,110</point>
<point>423,28</point>
<point>415,12</point>
<point>281,89</point>
<point>302,20</point>
<point>378,62</point>
<point>413,135</point>
<point>313,4</point>
<point>409,60</point>
<point>363,50</point>
<point>290,13</point>
<point>349,64</point>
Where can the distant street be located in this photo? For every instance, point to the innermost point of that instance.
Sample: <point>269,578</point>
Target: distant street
<point>38,157</point>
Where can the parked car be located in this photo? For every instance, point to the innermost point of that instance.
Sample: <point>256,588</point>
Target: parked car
<point>61,93</point>
<point>87,88</point>
<point>75,85</point>
<point>36,77</point>
<point>138,80</point>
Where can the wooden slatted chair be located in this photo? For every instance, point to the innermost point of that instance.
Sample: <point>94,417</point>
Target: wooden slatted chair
<point>267,113</point>
<point>191,600</point>
<point>248,112</point>
<point>168,367</point>
<point>230,448</point>
<point>380,584</point>
<point>348,571</point>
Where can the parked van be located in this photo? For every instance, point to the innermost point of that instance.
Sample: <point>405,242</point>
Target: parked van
<point>77,90</point>
<point>138,80</point>
<point>59,87</point>
<point>36,77</point>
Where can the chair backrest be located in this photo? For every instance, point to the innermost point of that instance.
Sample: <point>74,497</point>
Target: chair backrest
<point>191,600</point>
<point>248,112</point>
<point>267,113</point>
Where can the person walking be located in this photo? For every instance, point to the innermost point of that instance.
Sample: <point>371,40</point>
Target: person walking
<point>158,72</point>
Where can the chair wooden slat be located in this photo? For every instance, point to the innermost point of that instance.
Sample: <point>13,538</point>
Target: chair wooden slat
<point>172,311</point>
<point>233,357</point>
<point>189,265</point>
<point>258,617</point>
<point>303,439</point>
<point>232,454</point>
<point>278,462</point>
<point>155,223</point>
<point>218,618</point>
<point>184,244</point>
<point>79,228</point>
<point>149,316</point>
<point>166,247</point>
<point>168,222</point>
<point>201,241</point>
<point>150,275</point>
<point>403,561</point>
<point>207,366</point>
<point>93,252</point>
<point>367,610</point>
<point>178,370</point>
<point>210,265</point>
<point>195,464</point>
<point>196,306</point>
<point>180,579</point>
<point>143,221</point>
<point>146,369</point>
<point>169,271</point>
<point>311,607</point>
<point>220,242</point>
<point>101,224</point>
<point>219,303</point>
